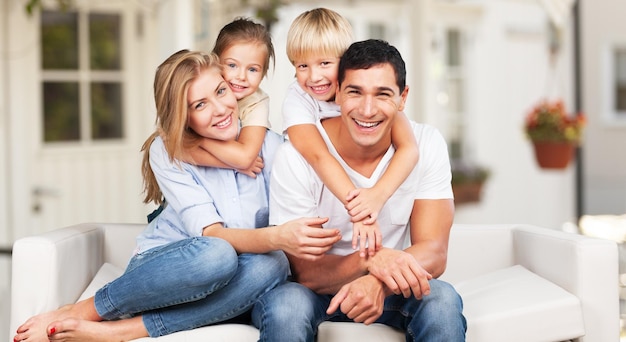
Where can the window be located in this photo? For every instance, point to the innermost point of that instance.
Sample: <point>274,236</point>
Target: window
<point>453,95</point>
<point>620,82</point>
<point>81,76</point>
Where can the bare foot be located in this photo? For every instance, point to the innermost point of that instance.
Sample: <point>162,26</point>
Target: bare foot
<point>108,331</point>
<point>36,329</point>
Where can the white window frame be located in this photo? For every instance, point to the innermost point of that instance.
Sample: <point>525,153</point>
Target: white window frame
<point>84,76</point>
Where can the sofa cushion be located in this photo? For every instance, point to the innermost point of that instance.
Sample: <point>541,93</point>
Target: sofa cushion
<point>514,304</point>
<point>106,273</point>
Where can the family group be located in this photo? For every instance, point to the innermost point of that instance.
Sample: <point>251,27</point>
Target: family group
<point>345,216</point>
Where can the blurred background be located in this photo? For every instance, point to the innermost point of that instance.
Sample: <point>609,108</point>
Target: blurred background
<point>76,99</point>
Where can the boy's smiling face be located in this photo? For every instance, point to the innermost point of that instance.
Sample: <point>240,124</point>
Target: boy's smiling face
<point>317,76</point>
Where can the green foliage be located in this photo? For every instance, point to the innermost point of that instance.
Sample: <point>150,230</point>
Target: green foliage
<point>33,5</point>
<point>465,173</point>
<point>548,121</point>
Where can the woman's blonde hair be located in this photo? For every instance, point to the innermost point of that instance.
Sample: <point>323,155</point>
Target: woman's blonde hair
<point>171,84</point>
<point>319,31</point>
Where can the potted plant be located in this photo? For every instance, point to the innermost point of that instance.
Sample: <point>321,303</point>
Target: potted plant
<point>467,181</point>
<point>554,134</point>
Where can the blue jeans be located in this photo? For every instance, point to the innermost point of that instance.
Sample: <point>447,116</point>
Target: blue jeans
<point>190,283</point>
<point>292,312</point>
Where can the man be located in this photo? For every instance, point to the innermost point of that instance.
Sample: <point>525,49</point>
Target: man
<point>397,286</point>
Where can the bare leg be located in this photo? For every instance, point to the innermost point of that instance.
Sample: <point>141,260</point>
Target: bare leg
<point>108,331</point>
<point>35,329</point>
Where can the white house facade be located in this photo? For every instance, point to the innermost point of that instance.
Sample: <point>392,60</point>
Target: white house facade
<point>474,69</point>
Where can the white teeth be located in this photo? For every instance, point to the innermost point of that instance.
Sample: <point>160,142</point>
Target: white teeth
<point>224,123</point>
<point>319,88</point>
<point>367,124</point>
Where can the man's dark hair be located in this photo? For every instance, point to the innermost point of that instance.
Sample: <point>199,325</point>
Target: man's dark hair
<point>367,53</point>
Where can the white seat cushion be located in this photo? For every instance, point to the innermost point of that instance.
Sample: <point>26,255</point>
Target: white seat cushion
<point>514,304</point>
<point>106,273</point>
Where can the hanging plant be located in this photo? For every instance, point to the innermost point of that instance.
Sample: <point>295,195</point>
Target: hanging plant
<point>554,134</point>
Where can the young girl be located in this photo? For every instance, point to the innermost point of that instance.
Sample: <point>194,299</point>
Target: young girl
<point>315,42</point>
<point>200,261</point>
<point>245,49</point>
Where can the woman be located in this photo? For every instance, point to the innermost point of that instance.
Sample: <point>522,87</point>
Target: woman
<point>200,261</point>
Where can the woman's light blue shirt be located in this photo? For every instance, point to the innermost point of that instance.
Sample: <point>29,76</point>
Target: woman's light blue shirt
<point>199,196</point>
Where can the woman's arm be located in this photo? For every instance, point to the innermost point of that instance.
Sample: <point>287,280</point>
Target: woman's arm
<point>302,237</point>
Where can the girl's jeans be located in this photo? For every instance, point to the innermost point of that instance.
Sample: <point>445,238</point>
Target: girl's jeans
<point>292,312</point>
<point>190,283</point>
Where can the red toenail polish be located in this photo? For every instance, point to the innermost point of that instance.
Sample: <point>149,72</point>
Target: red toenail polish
<point>53,330</point>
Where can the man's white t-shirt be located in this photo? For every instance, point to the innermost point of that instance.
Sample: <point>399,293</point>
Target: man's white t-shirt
<point>296,190</point>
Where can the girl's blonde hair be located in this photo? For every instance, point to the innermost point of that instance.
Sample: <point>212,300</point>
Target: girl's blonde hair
<point>171,85</point>
<point>245,30</point>
<point>319,31</point>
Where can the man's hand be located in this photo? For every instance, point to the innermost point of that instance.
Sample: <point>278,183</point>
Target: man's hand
<point>305,239</point>
<point>400,272</point>
<point>362,300</point>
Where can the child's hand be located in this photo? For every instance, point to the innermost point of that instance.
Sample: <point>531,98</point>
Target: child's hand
<point>364,204</point>
<point>254,169</point>
<point>367,238</point>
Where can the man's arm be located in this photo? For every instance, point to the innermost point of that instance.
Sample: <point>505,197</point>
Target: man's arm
<point>408,271</point>
<point>405,271</point>
<point>431,221</point>
<point>327,274</point>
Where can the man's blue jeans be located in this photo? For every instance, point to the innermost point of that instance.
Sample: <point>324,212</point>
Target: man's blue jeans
<point>292,312</point>
<point>190,283</point>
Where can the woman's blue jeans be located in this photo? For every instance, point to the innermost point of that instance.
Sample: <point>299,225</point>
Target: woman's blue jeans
<point>292,313</point>
<point>190,283</point>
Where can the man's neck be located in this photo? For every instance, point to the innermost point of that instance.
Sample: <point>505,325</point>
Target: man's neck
<point>362,159</point>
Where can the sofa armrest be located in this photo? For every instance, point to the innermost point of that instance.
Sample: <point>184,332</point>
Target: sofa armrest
<point>586,267</point>
<point>52,269</point>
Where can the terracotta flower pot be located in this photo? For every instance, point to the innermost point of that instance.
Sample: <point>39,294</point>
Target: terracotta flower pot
<point>553,155</point>
<point>467,192</point>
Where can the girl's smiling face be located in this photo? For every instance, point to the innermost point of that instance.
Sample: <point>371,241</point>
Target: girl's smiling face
<point>212,107</point>
<point>244,63</point>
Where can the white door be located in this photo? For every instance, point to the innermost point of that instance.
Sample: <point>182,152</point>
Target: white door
<point>79,96</point>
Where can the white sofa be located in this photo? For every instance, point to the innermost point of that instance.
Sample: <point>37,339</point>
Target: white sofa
<point>518,283</point>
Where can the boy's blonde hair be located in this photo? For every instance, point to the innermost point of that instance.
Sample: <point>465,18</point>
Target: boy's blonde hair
<point>319,31</point>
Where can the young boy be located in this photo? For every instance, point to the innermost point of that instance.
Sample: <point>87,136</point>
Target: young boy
<point>315,42</point>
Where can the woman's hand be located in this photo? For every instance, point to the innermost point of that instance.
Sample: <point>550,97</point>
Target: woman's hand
<point>305,238</point>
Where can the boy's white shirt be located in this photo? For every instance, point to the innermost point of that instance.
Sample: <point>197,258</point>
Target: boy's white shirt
<point>301,108</point>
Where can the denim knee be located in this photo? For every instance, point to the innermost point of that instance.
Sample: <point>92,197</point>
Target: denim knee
<point>208,258</point>
<point>270,267</point>
<point>438,316</point>
<point>287,313</point>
